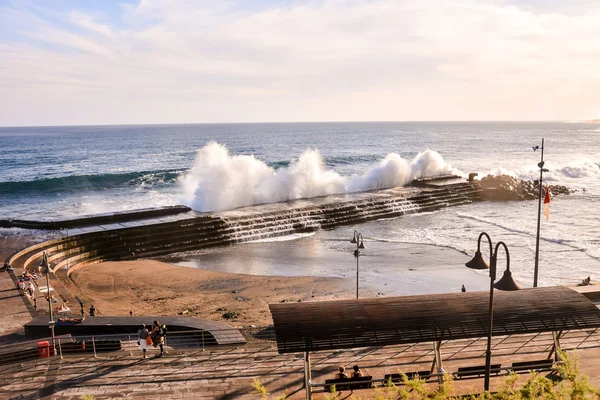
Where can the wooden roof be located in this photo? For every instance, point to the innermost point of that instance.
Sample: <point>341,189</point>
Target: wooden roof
<point>326,325</point>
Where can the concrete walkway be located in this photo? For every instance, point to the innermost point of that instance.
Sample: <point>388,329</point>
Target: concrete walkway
<point>228,373</point>
<point>15,310</point>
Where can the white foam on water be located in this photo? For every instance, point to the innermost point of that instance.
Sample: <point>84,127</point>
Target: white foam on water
<point>284,238</point>
<point>220,181</point>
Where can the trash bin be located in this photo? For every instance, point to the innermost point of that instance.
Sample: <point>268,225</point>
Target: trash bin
<point>43,349</point>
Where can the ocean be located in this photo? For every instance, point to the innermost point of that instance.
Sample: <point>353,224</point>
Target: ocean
<point>61,172</point>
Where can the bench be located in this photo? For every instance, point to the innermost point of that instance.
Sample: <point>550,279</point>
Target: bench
<point>476,371</point>
<point>397,378</point>
<point>537,365</point>
<point>362,382</point>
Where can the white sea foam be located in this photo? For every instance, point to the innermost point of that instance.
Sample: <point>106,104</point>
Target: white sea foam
<point>220,181</point>
<point>575,169</point>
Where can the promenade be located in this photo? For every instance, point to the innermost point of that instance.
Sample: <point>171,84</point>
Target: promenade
<point>15,310</point>
<point>228,372</point>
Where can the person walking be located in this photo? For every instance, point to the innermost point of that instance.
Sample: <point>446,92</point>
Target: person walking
<point>142,339</point>
<point>158,337</point>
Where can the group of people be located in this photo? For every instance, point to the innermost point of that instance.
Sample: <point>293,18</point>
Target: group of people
<point>26,287</point>
<point>341,374</point>
<point>155,337</point>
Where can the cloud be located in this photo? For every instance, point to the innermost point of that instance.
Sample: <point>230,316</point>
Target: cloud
<point>190,61</point>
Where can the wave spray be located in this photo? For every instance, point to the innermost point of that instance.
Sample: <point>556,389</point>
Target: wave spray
<point>220,181</point>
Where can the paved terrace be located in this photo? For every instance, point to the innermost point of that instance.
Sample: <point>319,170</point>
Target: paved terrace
<point>227,373</point>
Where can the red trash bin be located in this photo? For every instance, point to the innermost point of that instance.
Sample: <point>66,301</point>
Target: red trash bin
<point>43,349</point>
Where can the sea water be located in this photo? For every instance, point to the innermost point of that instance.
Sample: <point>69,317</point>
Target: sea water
<point>61,172</point>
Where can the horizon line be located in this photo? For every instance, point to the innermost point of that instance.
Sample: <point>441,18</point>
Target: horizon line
<point>303,122</point>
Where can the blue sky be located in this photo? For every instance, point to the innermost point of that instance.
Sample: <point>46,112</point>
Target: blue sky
<point>180,61</point>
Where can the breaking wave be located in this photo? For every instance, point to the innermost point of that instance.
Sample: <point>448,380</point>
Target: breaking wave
<point>78,183</point>
<point>220,181</point>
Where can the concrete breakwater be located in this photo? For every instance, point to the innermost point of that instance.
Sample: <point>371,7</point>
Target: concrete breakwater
<point>190,230</point>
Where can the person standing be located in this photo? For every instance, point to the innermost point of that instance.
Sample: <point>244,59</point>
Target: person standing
<point>142,337</point>
<point>463,288</point>
<point>92,311</point>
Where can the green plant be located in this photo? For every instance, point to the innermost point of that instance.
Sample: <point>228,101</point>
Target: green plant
<point>569,384</point>
<point>262,390</point>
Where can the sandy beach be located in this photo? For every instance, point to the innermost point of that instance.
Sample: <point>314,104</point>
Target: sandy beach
<point>149,287</point>
<point>243,279</point>
<point>235,284</point>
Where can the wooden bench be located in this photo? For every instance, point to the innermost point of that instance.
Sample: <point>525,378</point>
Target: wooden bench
<point>397,378</point>
<point>362,382</point>
<point>478,370</point>
<point>537,365</point>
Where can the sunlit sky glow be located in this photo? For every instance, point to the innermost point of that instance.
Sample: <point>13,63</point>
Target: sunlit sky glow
<point>67,62</point>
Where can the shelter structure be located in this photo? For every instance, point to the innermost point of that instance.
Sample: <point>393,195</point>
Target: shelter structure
<point>343,324</point>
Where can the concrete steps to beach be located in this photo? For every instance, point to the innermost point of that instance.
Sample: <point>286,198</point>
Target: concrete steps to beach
<point>193,231</point>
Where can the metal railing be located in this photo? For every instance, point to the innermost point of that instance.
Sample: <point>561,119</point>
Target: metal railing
<point>94,344</point>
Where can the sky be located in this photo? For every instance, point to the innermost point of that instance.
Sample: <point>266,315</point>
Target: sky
<point>80,62</point>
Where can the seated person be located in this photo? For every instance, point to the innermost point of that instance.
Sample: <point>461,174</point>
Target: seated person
<point>341,374</point>
<point>357,373</point>
<point>586,281</point>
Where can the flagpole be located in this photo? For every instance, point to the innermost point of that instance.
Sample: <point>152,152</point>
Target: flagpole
<point>539,214</point>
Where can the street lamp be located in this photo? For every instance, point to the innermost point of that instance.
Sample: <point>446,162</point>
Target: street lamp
<point>537,238</point>
<point>358,239</point>
<point>506,283</point>
<point>45,269</point>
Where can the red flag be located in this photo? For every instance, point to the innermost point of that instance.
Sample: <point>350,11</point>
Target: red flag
<point>547,203</point>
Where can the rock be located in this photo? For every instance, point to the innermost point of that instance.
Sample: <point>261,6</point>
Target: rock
<point>506,187</point>
<point>229,315</point>
<point>299,300</point>
<point>235,291</point>
<point>183,312</point>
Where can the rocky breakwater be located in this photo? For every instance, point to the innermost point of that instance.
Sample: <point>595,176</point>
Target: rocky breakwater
<point>506,187</point>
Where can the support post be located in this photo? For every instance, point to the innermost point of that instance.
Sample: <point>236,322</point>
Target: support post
<point>51,321</point>
<point>94,346</point>
<point>555,338</point>
<point>307,387</point>
<point>438,359</point>
<point>357,255</point>
<point>488,351</point>
<point>537,237</point>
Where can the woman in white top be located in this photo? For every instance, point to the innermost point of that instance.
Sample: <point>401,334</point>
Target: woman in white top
<point>142,335</point>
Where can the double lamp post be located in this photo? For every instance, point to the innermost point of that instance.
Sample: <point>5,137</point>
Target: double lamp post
<point>358,239</point>
<point>505,283</point>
